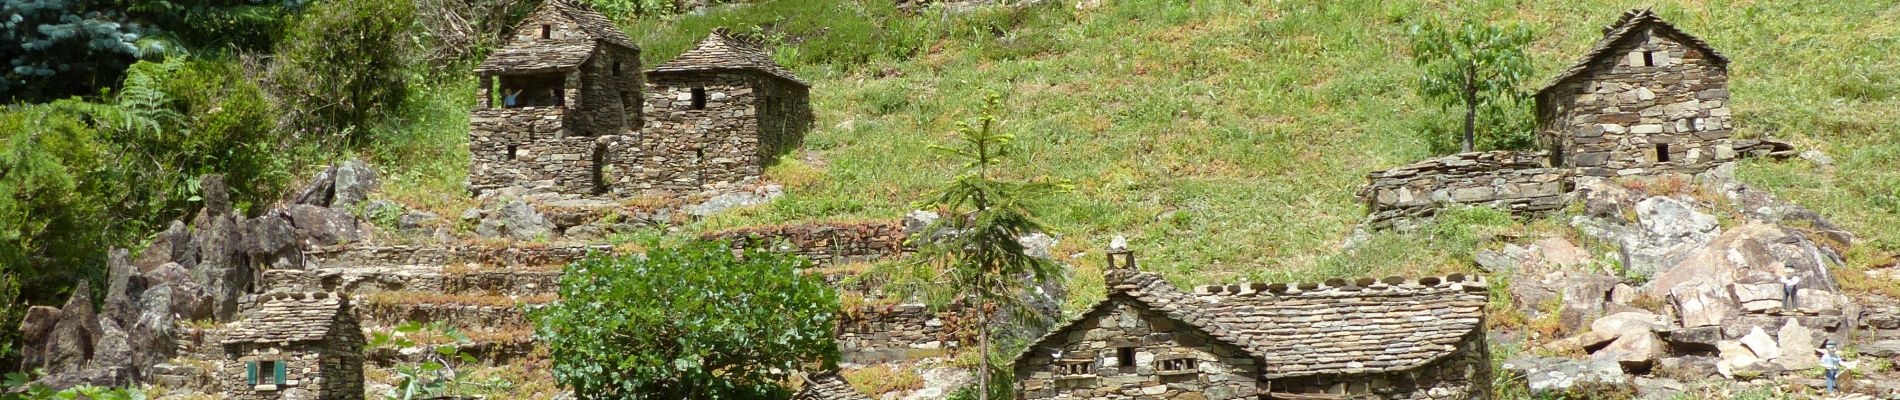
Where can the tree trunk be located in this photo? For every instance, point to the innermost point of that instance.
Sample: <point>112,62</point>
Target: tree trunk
<point>1471,111</point>
<point>983,343</point>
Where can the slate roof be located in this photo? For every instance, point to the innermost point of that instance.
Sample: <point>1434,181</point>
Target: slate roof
<point>828,386</point>
<point>281,317</point>
<point>722,51</point>
<point>552,55</point>
<point>1629,24</point>
<point>1340,327</point>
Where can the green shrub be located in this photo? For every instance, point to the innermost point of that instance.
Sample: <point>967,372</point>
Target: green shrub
<point>343,67</point>
<point>688,321</point>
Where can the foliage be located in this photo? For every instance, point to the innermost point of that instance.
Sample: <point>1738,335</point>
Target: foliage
<point>1474,65</point>
<point>974,253</point>
<point>211,26</point>
<point>61,48</point>
<point>441,372</point>
<point>690,321</point>
<point>29,391</point>
<point>343,68</point>
<point>840,34</point>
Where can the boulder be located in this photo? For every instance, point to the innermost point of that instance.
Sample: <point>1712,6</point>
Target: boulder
<point>123,285</point>
<point>1688,368</point>
<point>1636,345</point>
<point>71,340</point>
<point>172,245</point>
<point>417,221</point>
<point>1761,345</point>
<point>1583,297</point>
<point>271,240</point>
<point>1739,269</point>
<point>1670,229</point>
<point>114,347</point>
<point>1628,323</point>
<point>1888,348</point>
<point>1658,388</point>
<point>1734,356</point>
<point>152,340</point>
<point>1798,348</point>
<point>1699,339</point>
<point>100,377</point>
<point>355,180</point>
<point>743,198</point>
<point>320,226</point>
<point>36,331</point>
<point>319,191</point>
<point>217,197</point>
<point>1546,375</point>
<point>1756,298</point>
<point>1704,306</point>
<point>516,220</point>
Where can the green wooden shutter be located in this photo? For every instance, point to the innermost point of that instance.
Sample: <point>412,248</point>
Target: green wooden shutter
<point>250,372</point>
<point>280,372</point>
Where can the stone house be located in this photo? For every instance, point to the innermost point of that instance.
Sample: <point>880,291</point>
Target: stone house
<point>1648,98</point>
<point>554,101</point>
<point>1385,339</point>
<point>720,113</point>
<point>294,346</point>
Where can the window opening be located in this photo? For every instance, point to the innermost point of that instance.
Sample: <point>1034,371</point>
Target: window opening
<point>512,151</point>
<point>616,67</point>
<point>699,98</point>
<point>1125,357</point>
<point>541,90</point>
<point>1180,365</point>
<point>547,32</point>
<point>1649,59</point>
<point>1662,152</point>
<point>1076,367</point>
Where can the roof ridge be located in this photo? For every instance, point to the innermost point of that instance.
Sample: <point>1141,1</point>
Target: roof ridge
<point>723,50</point>
<point>1455,282</point>
<point>1620,30</point>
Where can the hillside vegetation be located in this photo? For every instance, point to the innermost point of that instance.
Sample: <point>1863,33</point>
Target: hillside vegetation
<point>1225,138</point>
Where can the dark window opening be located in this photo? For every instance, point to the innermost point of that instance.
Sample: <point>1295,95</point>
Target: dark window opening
<point>600,164</point>
<point>547,32</point>
<point>1662,152</point>
<point>542,90</point>
<point>616,67</point>
<point>699,98</point>
<point>1649,58</point>
<point>1125,357</point>
<point>513,151</point>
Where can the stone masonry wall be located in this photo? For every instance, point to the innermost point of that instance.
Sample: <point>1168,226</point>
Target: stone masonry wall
<point>1463,375</point>
<point>877,334</point>
<point>1628,117</point>
<point>608,101</point>
<point>527,147</point>
<point>825,244</point>
<point>683,148</point>
<point>785,116</point>
<point>1222,372</point>
<point>1511,181</point>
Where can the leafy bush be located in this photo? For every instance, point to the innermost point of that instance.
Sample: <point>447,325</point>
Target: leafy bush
<point>689,321</point>
<point>343,67</point>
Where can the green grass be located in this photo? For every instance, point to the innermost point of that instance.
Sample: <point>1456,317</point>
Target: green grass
<point>1225,137</point>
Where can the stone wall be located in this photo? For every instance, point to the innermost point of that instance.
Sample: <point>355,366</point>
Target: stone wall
<point>1220,371</point>
<point>1659,106</point>
<point>825,244</point>
<point>331,369</point>
<point>1463,375</point>
<point>528,147</point>
<point>1512,181</point>
<point>360,281</point>
<point>878,334</point>
<point>398,256</point>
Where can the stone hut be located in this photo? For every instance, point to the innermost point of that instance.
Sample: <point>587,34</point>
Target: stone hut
<point>554,101</point>
<point>828,386</point>
<point>719,114</point>
<point>1648,98</point>
<point>294,346</point>
<point>1362,339</point>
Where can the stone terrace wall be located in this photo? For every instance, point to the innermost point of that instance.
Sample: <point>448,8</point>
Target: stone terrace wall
<point>1628,117</point>
<point>1512,181</point>
<point>876,334</point>
<point>826,244</point>
<point>396,256</point>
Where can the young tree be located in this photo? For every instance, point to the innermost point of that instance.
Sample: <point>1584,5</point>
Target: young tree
<point>973,253</point>
<point>694,321</point>
<point>1474,65</point>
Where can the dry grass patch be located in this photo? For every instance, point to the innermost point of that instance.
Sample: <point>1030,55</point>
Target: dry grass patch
<point>881,379</point>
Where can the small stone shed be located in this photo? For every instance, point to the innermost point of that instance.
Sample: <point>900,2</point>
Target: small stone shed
<point>720,113</point>
<point>294,345</point>
<point>1648,98</point>
<point>1383,339</point>
<point>552,101</point>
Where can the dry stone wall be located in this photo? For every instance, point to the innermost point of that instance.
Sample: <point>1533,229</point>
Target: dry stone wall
<point>877,334</point>
<point>825,244</point>
<point>1660,106</point>
<point>397,256</point>
<point>1512,181</point>
<point>689,144</point>
<point>1458,376</point>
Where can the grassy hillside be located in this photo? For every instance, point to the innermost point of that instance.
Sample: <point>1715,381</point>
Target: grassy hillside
<point>1225,137</point>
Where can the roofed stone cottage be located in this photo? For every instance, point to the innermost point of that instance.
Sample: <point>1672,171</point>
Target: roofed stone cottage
<point>294,346</point>
<point>1384,339</point>
<point>552,101</point>
<point>1648,98</point>
<point>720,113</point>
